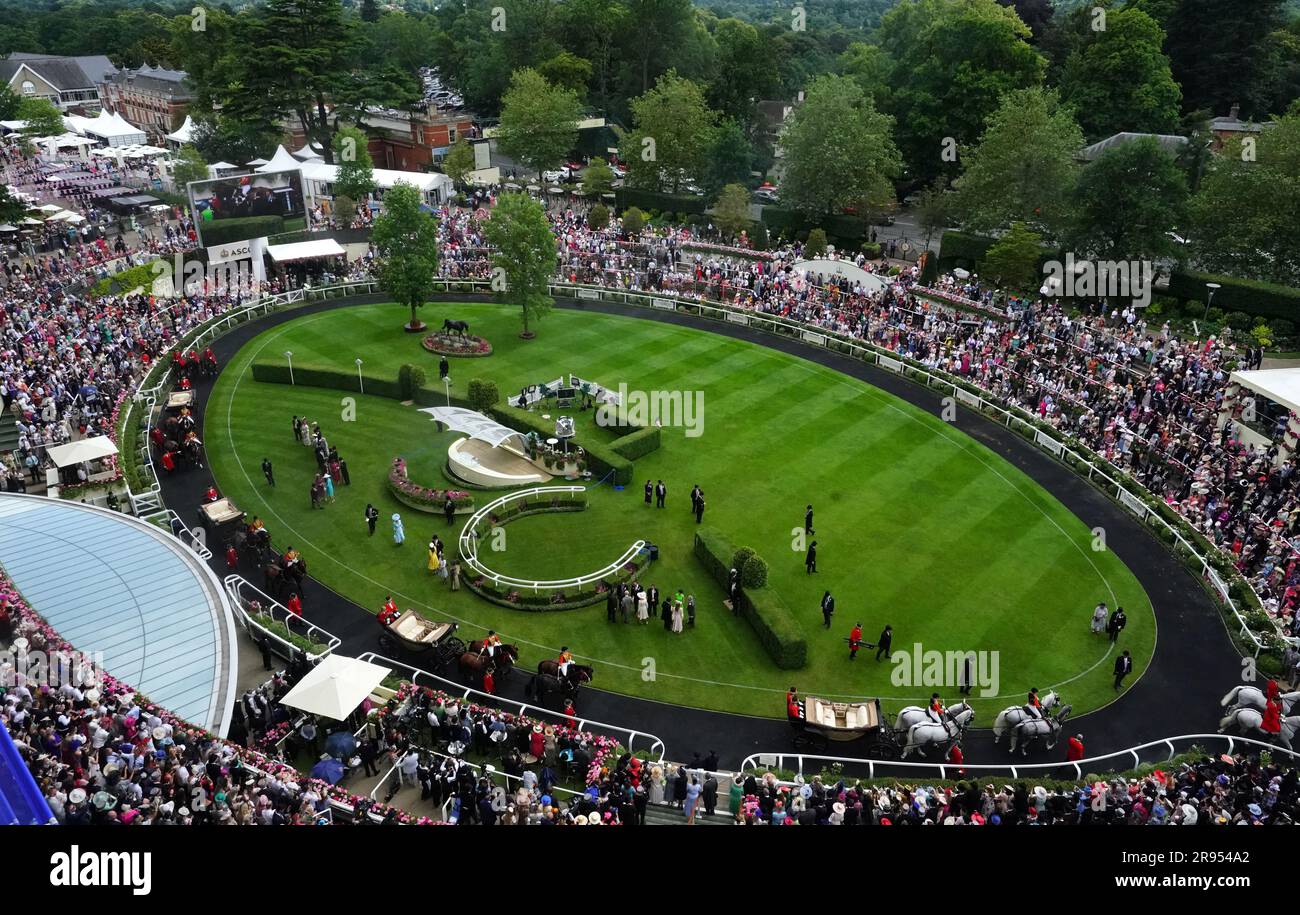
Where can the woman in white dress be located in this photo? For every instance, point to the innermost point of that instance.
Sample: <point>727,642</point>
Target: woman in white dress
<point>1099,618</point>
<point>677,616</point>
<point>642,607</point>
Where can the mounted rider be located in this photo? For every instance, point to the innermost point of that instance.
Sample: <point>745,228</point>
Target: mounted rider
<point>388,612</point>
<point>1034,706</point>
<point>563,661</point>
<point>490,645</point>
<point>936,709</point>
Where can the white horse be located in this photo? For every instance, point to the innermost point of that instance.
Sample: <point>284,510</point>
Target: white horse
<point>1253,697</point>
<point>915,714</point>
<point>1033,729</point>
<point>1248,720</point>
<point>1010,718</point>
<point>925,734</point>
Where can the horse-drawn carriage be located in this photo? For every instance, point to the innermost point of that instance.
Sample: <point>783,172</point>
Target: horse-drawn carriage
<point>416,635</point>
<point>824,721</point>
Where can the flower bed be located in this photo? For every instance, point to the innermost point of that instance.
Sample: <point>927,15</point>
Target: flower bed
<point>457,345</point>
<point>424,498</point>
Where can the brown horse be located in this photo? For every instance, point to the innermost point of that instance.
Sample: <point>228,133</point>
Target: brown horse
<point>475,666</point>
<point>548,679</point>
<point>505,656</point>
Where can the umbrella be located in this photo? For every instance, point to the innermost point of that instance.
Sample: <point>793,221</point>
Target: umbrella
<point>335,686</point>
<point>8,228</point>
<point>340,744</point>
<point>28,221</point>
<point>533,187</point>
<point>328,770</point>
<point>556,190</point>
<point>512,185</point>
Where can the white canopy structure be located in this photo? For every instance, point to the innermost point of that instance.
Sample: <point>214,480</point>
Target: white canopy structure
<point>183,134</point>
<point>476,426</point>
<point>111,129</point>
<point>88,449</point>
<point>305,250</point>
<point>282,161</point>
<point>1278,385</point>
<point>336,686</point>
<point>307,152</point>
<point>254,163</point>
<point>433,186</point>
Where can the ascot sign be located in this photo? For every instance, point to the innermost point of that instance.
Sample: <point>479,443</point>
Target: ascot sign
<point>103,868</point>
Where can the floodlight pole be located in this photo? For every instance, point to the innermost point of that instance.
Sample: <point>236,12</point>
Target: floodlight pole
<point>360,383</point>
<point>289,355</point>
<point>1212,287</point>
<point>446,383</point>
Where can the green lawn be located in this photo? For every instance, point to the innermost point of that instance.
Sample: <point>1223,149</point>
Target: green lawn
<point>917,525</point>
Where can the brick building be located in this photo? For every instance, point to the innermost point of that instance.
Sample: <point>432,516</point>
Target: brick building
<point>70,83</point>
<point>154,99</point>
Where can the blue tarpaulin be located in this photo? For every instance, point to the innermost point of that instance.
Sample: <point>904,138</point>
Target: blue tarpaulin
<point>21,802</point>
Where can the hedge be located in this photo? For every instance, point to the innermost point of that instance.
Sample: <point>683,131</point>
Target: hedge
<point>638,444</point>
<point>126,280</point>
<point>317,376</point>
<point>762,607</point>
<point>1248,296</point>
<point>625,197</point>
<point>842,228</point>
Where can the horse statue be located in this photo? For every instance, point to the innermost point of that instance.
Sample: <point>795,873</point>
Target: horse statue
<point>548,679</point>
<point>1253,697</point>
<point>473,662</point>
<point>1011,718</point>
<point>457,327</point>
<point>1248,720</point>
<point>915,714</point>
<point>926,734</point>
<point>1047,729</point>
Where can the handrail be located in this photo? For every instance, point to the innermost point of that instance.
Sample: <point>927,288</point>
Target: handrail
<point>195,540</point>
<point>236,587</point>
<point>469,545</point>
<point>757,761</point>
<point>522,708</point>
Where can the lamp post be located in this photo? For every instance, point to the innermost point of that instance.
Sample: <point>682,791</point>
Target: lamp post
<point>1212,287</point>
<point>446,383</point>
<point>288,355</point>
<point>361,384</point>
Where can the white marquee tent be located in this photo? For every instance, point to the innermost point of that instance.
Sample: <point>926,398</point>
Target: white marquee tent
<point>88,449</point>
<point>476,426</point>
<point>336,686</point>
<point>282,161</point>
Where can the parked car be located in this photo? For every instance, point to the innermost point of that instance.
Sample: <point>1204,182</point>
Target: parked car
<point>767,195</point>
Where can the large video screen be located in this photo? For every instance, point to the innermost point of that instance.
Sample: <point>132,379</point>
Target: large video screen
<point>241,207</point>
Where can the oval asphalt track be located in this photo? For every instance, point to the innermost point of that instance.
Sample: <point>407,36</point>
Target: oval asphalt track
<point>1195,662</point>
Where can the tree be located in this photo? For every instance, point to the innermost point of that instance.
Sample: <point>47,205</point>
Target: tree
<point>1034,13</point>
<point>744,70</point>
<point>220,139</point>
<point>11,208</point>
<point>934,211</point>
<point>43,119</point>
<point>728,159</point>
<point>356,174</point>
<point>816,245</point>
<point>731,212</point>
<point>1119,79</point>
<point>9,103</point>
<point>482,394</point>
<point>633,221</point>
<point>597,178</point>
<point>951,63</point>
<point>568,71</point>
<point>598,217</point>
<point>539,122</point>
<point>405,239</point>
<point>593,26</point>
<point>459,161</point>
<point>525,254</point>
<point>1126,202</point>
<point>1219,52</point>
<point>651,30</point>
<point>370,10</point>
<point>190,166</point>
<point>1023,167</point>
<point>668,147</point>
<point>838,150</point>
<point>1012,261</point>
<point>1244,216</point>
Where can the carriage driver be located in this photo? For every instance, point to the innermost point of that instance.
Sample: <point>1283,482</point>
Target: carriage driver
<point>1034,707</point>
<point>389,611</point>
<point>564,660</point>
<point>489,646</point>
<point>936,708</point>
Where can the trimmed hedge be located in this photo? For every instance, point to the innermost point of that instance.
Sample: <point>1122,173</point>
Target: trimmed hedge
<point>239,228</point>
<point>638,444</point>
<point>762,607</point>
<point>625,197</point>
<point>126,280</point>
<point>316,376</point>
<point>410,378</point>
<point>1248,296</point>
<point>842,228</point>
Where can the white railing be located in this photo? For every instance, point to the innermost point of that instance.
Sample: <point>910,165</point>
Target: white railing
<point>195,539</point>
<point>242,593</point>
<point>627,736</point>
<point>469,545</point>
<point>877,768</point>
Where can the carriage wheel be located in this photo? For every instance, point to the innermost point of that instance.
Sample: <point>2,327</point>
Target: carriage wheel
<point>454,647</point>
<point>886,746</point>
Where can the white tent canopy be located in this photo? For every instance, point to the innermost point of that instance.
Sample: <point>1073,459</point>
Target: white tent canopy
<point>335,687</point>
<point>307,151</point>
<point>1278,385</point>
<point>282,161</point>
<point>475,425</point>
<point>184,133</point>
<point>88,449</point>
<point>304,250</point>
<point>426,183</point>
